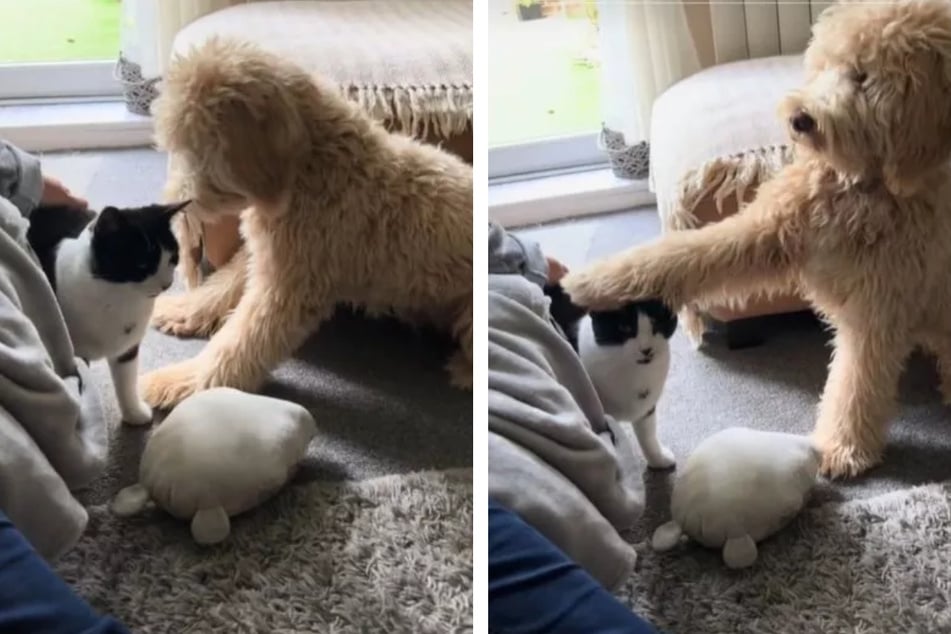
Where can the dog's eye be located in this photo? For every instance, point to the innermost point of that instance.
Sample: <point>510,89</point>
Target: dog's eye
<point>859,76</point>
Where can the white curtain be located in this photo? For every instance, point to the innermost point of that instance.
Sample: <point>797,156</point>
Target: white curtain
<point>645,48</point>
<point>149,27</point>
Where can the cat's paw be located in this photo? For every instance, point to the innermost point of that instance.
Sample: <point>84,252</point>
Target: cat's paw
<point>177,315</point>
<point>167,387</point>
<point>663,459</point>
<point>138,414</point>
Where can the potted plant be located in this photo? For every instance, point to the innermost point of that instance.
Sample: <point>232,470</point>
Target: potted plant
<point>529,9</point>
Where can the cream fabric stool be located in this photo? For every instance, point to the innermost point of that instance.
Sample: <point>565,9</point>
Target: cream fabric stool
<point>407,63</point>
<point>714,137</point>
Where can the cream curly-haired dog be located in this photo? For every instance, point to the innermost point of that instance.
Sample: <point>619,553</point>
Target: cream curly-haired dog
<point>859,222</point>
<point>334,210</point>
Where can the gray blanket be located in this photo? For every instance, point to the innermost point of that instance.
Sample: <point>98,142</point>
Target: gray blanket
<point>52,434</point>
<point>554,457</point>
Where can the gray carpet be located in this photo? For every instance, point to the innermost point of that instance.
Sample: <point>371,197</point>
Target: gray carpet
<point>392,554</point>
<point>775,386</point>
<point>869,565</point>
<point>383,406</point>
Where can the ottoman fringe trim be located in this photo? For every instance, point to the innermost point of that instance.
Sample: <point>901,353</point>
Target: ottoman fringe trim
<point>417,110</point>
<point>722,177</point>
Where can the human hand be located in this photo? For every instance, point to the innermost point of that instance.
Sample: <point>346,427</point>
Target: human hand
<point>556,270</point>
<point>55,193</point>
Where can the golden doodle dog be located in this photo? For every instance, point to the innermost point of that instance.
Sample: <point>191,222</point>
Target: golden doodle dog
<point>334,211</point>
<point>859,222</point>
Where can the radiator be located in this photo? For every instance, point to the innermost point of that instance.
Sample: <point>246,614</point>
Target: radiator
<point>744,29</point>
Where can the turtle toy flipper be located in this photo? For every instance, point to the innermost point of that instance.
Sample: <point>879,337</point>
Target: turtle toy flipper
<point>739,552</point>
<point>131,500</point>
<point>666,536</point>
<point>210,526</point>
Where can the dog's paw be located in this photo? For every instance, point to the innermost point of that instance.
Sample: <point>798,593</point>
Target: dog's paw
<point>635,274</point>
<point>663,459</point>
<point>460,371</point>
<point>589,289</point>
<point>842,459</point>
<point>167,387</point>
<point>177,315</point>
<point>138,414</point>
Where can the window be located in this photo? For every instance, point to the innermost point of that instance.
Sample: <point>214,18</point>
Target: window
<point>545,95</point>
<point>59,48</point>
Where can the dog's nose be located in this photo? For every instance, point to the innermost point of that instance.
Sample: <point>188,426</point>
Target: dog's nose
<point>647,351</point>
<point>801,122</point>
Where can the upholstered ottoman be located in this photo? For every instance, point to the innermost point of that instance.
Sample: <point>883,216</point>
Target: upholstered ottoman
<point>408,63</point>
<point>714,137</point>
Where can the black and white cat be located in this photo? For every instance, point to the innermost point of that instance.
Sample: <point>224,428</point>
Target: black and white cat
<point>626,353</point>
<point>106,271</point>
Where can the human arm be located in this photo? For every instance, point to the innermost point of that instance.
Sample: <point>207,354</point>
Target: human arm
<point>22,182</point>
<point>509,254</point>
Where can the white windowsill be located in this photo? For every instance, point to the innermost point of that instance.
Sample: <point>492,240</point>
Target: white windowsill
<point>550,198</point>
<point>78,125</point>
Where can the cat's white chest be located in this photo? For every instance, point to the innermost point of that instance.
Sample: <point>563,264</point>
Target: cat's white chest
<point>104,319</point>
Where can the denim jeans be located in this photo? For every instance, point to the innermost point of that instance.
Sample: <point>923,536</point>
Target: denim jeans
<point>34,600</point>
<point>534,587</point>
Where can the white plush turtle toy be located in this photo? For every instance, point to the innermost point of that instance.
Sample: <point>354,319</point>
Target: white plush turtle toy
<point>738,487</point>
<point>219,453</point>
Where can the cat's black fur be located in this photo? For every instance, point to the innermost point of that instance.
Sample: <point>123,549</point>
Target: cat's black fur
<point>50,225</point>
<point>614,327</point>
<point>126,244</point>
<point>565,313</point>
<point>610,327</point>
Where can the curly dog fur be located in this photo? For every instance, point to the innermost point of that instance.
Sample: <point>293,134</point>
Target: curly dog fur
<point>859,222</point>
<point>334,210</point>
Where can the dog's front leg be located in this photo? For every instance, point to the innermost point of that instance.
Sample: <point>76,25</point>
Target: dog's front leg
<point>858,399</point>
<point>267,326</point>
<point>738,256</point>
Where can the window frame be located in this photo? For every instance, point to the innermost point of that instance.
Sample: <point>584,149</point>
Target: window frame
<point>526,160</point>
<point>58,80</point>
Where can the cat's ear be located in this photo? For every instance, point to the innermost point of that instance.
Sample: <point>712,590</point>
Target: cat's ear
<point>174,208</point>
<point>668,322</point>
<point>110,220</point>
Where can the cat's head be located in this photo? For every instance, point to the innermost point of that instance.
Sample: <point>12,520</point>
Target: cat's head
<point>644,325</point>
<point>136,246</point>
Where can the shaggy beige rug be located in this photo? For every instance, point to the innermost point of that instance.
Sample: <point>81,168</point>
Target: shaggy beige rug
<point>393,554</point>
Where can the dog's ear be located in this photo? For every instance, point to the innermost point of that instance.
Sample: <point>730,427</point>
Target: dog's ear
<point>237,113</point>
<point>925,121</point>
<point>264,135</point>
